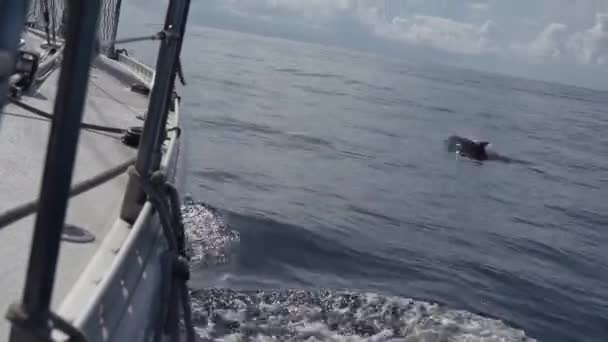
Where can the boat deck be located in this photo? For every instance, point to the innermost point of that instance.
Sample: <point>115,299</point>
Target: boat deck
<point>23,142</point>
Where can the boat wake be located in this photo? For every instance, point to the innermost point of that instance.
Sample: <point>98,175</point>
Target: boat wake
<point>322,315</point>
<point>298,315</point>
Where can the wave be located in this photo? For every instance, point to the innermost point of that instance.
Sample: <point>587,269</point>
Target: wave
<point>286,248</point>
<point>321,315</point>
<point>232,86</point>
<point>241,57</point>
<point>277,137</point>
<point>211,177</point>
<point>229,124</point>
<point>349,82</point>
<point>298,72</point>
<point>209,237</point>
<point>318,91</point>
<point>300,315</point>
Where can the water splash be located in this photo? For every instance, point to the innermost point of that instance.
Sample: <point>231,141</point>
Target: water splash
<point>297,315</point>
<point>209,238</point>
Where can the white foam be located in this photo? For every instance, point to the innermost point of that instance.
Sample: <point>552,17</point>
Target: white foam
<point>295,315</point>
<point>209,237</point>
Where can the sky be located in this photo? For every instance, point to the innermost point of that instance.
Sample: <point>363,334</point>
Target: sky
<point>555,40</point>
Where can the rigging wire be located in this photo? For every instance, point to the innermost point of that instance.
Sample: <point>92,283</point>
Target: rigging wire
<point>114,98</point>
<point>157,36</point>
<point>17,213</point>
<point>46,115</point>
<point>46,17</point>
<point>54,10</point>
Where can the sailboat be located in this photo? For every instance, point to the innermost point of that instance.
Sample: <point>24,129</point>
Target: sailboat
<point>92,243</point>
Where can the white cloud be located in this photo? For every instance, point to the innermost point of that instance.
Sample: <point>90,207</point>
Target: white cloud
<point>320,7</point>
<point>483,27</point>
<point>480,6</point>
<point>436,32</point>
<point>549,44</point>
<point>467,32</point>
<point>591,46</point>
<point>309,10</point>
<point>557,43</point>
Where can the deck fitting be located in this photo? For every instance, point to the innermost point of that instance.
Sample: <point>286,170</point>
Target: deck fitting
<point>76,234</point>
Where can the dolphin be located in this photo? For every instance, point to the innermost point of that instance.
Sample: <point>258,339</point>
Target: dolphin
<point>467,148</point>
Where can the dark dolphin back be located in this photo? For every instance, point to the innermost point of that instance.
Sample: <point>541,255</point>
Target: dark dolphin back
<point>455,143</point>
<point>467,148</point>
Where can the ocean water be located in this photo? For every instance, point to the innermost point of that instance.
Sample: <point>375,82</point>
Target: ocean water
<point>323,205</point>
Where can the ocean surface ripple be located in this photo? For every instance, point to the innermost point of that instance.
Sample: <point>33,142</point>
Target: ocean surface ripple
<point>332,211</point>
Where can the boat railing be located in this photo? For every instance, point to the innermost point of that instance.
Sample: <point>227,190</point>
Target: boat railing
<point>136,66</point>
<point>32,319</point>
<point>149,154</point>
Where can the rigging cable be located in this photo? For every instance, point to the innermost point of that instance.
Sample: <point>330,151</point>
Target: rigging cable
<point>156,36</point>
<point>45,15</point>
<point>17,213</point>
<point>46,115</point>
<point>53,15</point>
<point>114,98</point>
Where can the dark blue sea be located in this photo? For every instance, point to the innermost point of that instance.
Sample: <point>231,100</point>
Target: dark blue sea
<point>322,205</point>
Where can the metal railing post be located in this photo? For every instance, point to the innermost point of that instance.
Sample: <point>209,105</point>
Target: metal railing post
<point>148,155</point>
<point>58,170</point>
<point>182,33</point>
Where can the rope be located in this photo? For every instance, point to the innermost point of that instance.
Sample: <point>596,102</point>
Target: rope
<point>46,115</point>
<point>19,212</point>
<point>157,36</point>
<point>180,72</point>
<point>165,200</point>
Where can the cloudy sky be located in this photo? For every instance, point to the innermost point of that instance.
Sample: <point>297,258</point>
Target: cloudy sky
<point>561,40</point>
